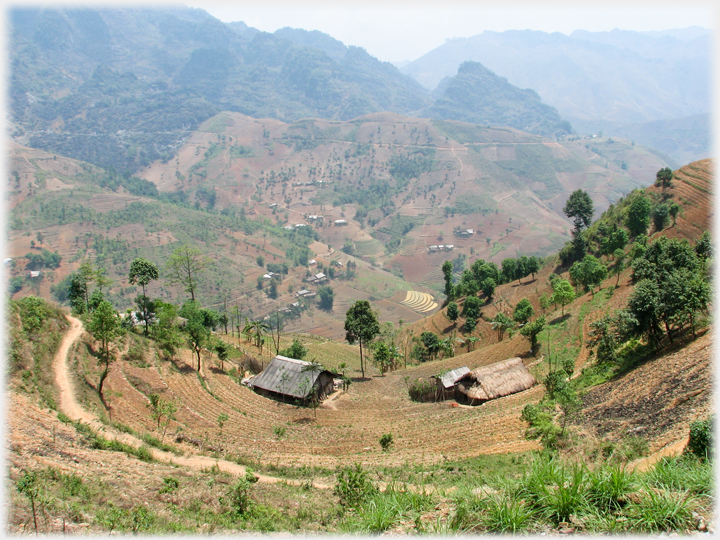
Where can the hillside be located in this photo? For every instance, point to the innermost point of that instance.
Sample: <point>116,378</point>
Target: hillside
<point>221,428</point>
<point>401,184</point>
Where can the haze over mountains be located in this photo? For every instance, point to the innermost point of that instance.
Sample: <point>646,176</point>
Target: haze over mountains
<point>124,87</point>
<point>642,85</point>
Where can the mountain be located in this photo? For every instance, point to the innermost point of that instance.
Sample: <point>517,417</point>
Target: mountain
<point>479,96</point>
<point>125,86</point>
<point>623,77</point>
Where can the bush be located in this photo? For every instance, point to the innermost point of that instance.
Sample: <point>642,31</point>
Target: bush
<point>353,486</point>
<point>238,497</point>
<point>421,390</point>
<point>386,441</point>
<point>701,438</point>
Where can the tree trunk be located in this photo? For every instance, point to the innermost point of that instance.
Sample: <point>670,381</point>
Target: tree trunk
<point>362,367</point>
<point>145,316</point>
<point>101,383</point>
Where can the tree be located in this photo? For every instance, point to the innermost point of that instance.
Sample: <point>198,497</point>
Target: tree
<point>223,351</point>
<point>674,210</point>
<point>644,306</point>
<point>509,266</point>
<point>162,411</point>
<point>488,287</point>
<point>619,265</point>
<point>531,331</point>
<point>143,272</point>
<point>661,216</point>
<point>259,328</point>
<point>383,357</point>
<point>472,306</point>
<point>589,272</point>
<point>638,216</point>
<point>104,325</point>
<point>77,292</point>
<point>361,325</point>
<point>579,207</point>
<point>29,486</point>
<point>502,323</point>
<point>447,269</point>
<point>184,267</point>
<point>704,246</point>
<point>523,311</point>
<point>197,334</point>
<point>297,350</point>
<point>327,297</point>
<point>533,266</point>
<point>452,312</point>
<point>603,338</point>
<point>664,177</point>
<point>431,342</point>
<point>563,293</point>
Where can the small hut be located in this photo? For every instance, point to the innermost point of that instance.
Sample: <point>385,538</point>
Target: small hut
<point>446,382</point>
<point>288,377</point>
<point>493,381</point>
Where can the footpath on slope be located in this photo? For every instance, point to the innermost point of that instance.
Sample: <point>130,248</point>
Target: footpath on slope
<point>70,406</point>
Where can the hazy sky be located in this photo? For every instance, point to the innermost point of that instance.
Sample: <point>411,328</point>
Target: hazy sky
<point>401,30</point>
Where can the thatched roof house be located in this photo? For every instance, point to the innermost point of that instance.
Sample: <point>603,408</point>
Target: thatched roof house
<point>292,378</point>
<point>494,381</point>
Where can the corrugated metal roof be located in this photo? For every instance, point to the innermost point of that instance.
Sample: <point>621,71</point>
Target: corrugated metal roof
<point>286,376</point>
<point>448,379</point>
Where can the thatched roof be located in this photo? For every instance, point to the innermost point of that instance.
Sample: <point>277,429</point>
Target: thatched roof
<point>286,376</point>
<point>496,380</point>
<point>449,377</point>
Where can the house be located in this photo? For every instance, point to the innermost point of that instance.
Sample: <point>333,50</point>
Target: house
<point>449,247</point>
<point>288,227</point>
<point>464,232</point>
<point>300,225</point>
<point>338,264</point>
<point>34,273</point>
<point>317,278</point>
<point>446,382</point>
<point>312,262</point>
<point>340,222</point>
<point>302,292</point>
<point>493,381</point>
<point>287,377</point>
<point>433,248</point>
<point>269,275</point>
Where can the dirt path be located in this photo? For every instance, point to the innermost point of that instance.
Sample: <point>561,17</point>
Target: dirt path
<point>672,449</point>
<point>70,406</point>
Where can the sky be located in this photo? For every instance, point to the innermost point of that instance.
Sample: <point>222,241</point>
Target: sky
<point>403,31</point>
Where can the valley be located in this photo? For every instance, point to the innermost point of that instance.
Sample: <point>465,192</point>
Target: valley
<point>267,283</point>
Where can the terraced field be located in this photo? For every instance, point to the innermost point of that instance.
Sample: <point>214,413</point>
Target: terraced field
<point>346,427</point>
<point>419,301</point>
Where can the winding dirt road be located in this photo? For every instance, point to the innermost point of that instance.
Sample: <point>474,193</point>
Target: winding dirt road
<point>70,406</point>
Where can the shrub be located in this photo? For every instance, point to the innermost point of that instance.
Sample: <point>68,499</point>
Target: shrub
<point>238,497</point>
<point>386,441</point>
<point>279,431</point>
<point>701,438</point>
<point>354,486</point>
<point>421,390</point>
